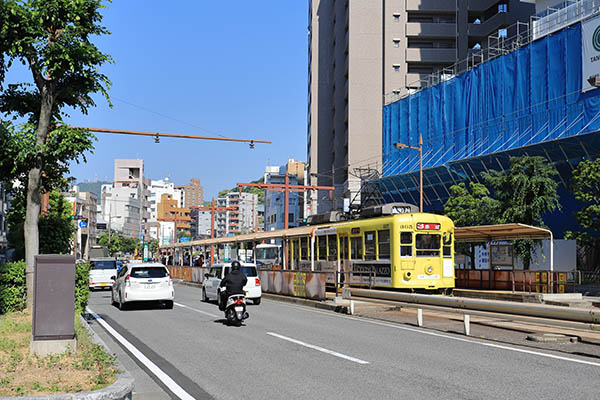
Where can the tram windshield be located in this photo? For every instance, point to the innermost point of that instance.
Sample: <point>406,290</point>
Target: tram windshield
<point>428,245</point>
<point>266,253</point>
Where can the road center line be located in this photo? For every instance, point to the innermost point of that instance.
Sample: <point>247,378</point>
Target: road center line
<point>425,332</point>
<point>196,310</point>
<point>164,378</point>
<point>321,349</point>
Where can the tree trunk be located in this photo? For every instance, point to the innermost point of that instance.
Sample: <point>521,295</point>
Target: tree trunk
<point>34,197</point>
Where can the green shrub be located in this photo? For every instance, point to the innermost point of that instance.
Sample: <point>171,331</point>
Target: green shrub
<point>13,292</point>
<point>82,288</point>
<point>12,287</point>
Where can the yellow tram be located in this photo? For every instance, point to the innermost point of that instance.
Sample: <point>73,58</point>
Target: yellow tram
<point>411,251</point>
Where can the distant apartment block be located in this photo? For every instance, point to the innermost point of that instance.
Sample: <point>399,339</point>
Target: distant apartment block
<point>362,51</point>
<point>242,219</point>
<point>194,193</point>
<point>274,206</point>
<point>171,214</point>
<point>125,204</point>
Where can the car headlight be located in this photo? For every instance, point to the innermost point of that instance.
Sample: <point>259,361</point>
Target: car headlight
<point>430,270</point>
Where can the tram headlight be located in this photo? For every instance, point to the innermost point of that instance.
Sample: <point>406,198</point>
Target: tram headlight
<point>429,270</point>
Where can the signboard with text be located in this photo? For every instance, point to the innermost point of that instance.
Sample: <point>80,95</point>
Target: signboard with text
<point>590,43</point>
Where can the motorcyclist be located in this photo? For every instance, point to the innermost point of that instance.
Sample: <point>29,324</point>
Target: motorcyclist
<point>233,283</point>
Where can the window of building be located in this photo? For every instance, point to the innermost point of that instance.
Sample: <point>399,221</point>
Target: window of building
<point>396,42</point>
<point>396,17</point>
<point>396,67</point>
<point>502,8</point>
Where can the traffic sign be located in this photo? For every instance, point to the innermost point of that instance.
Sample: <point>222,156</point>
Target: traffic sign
<point>83,224</point>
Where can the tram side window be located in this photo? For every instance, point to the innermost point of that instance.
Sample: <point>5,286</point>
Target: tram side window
<point>370,244</point>
<point>332,244</point>
<point>304,248</point>
<point>448,244</point>
<point>296,250</point>
<point>344,248</point>
<point>428,245</point>
<point>356,248</point>
<point>322,246</point>
<point>405,244</point>
<point>383,240</point>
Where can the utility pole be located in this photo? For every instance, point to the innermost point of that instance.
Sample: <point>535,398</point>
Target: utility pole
<point>213,210</point>
<point>286,188</point>
<point>420,149</point>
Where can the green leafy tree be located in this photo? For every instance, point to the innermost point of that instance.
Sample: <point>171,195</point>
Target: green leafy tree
<point>526,191</point>
<point>471,205</point>
<point>118,244</point>
<point>52,38</point>
<point>56,226</point>
<point>585,185</point>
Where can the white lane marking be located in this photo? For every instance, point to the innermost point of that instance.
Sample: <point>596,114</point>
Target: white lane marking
<point>321,349</point>
<point>537,353</point>
<point>196,310</point>
<point>166,379</point>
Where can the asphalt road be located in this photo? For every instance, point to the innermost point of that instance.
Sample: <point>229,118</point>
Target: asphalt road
<point>287,351</point>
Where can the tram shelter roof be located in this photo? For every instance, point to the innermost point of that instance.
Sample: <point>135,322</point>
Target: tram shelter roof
<point>489,233</point>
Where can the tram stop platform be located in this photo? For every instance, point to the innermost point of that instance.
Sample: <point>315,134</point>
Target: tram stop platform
<point>555,299</point>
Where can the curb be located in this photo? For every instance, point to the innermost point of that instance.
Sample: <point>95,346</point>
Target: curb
<point>122,389</point>
<point>286,299</point>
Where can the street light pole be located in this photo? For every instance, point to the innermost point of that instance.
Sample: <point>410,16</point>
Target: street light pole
<point>400,146</point>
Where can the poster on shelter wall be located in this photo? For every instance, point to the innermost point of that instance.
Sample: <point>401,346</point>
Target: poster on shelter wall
<point>590,42</point>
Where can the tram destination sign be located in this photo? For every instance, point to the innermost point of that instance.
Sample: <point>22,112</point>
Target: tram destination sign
<point>427,226</point>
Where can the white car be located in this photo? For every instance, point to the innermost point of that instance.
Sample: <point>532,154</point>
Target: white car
<point>143,282</point>
<point>102,272</point>
<point>212,280</point>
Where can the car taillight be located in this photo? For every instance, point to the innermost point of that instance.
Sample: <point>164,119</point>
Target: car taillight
<point>127,280</point>
<point>257,282</point>
<point>239,301</point>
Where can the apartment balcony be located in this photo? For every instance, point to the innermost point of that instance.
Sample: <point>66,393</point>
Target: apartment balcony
<point>431,5</point>
<point>489,26</point>
<point>480,5</point>
<point>430,29</point>
<point>431,55</point>
<point>414,80</point>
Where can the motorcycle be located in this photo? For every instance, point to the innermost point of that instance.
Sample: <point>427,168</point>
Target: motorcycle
<point>235,309</point>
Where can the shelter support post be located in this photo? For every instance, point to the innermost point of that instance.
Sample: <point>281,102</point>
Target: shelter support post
<point>467,324</point>
<point>420,317</point>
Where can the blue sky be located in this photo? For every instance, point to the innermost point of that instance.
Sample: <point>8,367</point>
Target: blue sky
<point>237,69</point>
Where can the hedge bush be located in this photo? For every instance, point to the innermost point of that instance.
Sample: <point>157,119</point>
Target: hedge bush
<point>82,288</point>
<point>13,293</point>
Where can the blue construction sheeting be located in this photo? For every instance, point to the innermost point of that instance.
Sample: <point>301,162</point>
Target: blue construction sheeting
<point>532,95</point>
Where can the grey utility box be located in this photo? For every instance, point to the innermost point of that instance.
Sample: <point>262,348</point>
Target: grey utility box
<point>54,304</point>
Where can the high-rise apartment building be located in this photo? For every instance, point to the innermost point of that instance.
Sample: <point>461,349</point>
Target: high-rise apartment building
<point>194,193</point>
<point>360,51</point>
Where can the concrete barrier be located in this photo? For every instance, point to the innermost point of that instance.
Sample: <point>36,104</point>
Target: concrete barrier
<point>309,285</point>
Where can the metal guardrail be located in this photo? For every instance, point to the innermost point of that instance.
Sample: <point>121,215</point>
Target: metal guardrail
<point>533,313</point>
